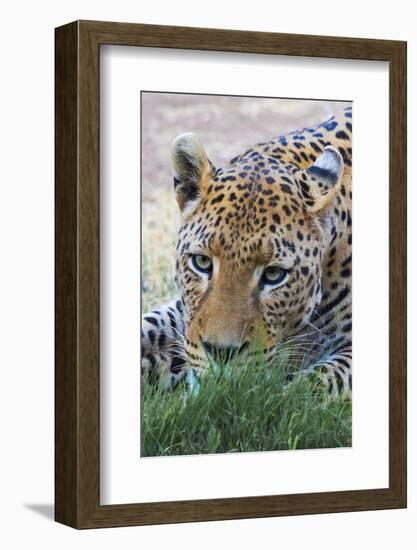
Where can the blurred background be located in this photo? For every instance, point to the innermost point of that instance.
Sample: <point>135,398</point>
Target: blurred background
<point>226,126</point>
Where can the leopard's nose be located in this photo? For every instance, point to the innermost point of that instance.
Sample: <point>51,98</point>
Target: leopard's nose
<point>223,352</point>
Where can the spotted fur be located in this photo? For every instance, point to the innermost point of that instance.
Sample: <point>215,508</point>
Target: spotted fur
<point>284,203</point>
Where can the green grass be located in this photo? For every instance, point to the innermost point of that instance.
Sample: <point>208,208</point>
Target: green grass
<point>242,408</point>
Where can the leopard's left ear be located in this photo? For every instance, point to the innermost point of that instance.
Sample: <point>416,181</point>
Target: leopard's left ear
<point>191,168</point>
<point>321,182</point>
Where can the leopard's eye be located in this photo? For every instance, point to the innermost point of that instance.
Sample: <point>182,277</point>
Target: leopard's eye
<point>273,276</point>
<point>201,264</point>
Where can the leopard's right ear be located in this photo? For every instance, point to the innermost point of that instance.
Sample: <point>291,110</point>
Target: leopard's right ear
<point>191,168</point>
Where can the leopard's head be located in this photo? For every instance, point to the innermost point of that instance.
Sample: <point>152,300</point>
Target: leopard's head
<point>250,247</point>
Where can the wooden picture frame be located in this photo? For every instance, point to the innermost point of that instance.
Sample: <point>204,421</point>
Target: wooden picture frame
<point>77,374</point>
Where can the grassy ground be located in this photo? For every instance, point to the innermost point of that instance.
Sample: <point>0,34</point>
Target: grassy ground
<point>242,409</point>
<point>248,408</point>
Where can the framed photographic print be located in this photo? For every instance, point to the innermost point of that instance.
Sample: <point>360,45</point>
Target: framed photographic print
<point>230,274</point>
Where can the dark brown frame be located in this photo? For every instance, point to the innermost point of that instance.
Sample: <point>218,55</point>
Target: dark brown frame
<point>77,274</point>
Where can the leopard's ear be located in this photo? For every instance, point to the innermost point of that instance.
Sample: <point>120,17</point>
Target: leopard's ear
<point>191,167</point>
<point>321,182</point>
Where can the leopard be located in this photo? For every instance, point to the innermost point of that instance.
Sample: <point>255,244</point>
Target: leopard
<point>264,250</point>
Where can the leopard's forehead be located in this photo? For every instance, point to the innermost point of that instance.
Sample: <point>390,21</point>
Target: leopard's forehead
<point>255,181</point>
<point>252,209</point>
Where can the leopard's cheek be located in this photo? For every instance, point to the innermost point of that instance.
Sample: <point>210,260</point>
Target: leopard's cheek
<point>275,320</point>
<point>286,309</point>
<point>191,289</point>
